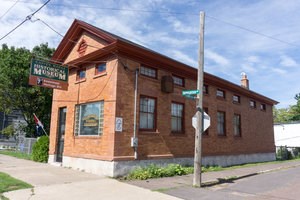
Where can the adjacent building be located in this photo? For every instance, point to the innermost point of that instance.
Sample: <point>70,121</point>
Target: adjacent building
<point>124,108</point>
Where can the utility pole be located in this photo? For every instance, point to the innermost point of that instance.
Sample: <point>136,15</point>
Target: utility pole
<point>198,135</point>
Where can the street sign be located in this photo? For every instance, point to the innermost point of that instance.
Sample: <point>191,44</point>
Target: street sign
<point>190,92</point>
<point>46,74</point>
<point>206,121</point>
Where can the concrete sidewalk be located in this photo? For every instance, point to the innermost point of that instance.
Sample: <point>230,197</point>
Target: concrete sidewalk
<point>212,178</point>
<point>52,182</point>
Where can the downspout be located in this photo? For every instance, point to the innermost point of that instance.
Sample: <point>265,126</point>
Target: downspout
<point>134,142</point>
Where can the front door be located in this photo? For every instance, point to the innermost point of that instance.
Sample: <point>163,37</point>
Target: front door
<point>61,134</point>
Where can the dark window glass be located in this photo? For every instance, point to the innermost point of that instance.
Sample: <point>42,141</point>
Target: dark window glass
<point>237,125</point>
<point>101,68</point>
<point>205,89</point>
<point>147,113</point>
<point>177,117</point>
<point>221,123</point>
<point>263,107</point>
<point>80,74</point>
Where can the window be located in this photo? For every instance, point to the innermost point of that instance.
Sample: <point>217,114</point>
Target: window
<point>221,93</point>
<point>178,81</point>
<point>205,89</point>
<point>101,68</point>
<point>252,104</point>
<point>236,99</point>
<point>147,113</point>
<point>177,117</point>
<point>221,123</point>
<point>205,132</point>
<point>237,125</point>
<point>80,75</point>
<point>150,72</point>
<point>89,119</point>
<point>263,107</point>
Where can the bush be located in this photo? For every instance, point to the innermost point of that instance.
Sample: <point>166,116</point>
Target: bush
<point>40,149</point>
<point>154,171</point>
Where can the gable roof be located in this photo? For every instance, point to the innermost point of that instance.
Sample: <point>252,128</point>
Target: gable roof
<point>117,45</point>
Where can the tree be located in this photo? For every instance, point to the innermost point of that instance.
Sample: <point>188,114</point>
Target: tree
<point>295,109</point>
<point>16,94</point>
<point>292,113</point>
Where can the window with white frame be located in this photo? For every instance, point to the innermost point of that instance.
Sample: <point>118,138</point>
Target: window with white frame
<point>220,93</point>
<point>177,117</point>
<point>147,71</point>
<point>178,81</point>
<point>89,119</point>
<point>147,113</point>
<point>236,99</point>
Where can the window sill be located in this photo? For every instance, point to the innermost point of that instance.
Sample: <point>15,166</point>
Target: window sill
<point>237,137</point>
<point>88,136</point>
<point>236,103</point>
<point>148,132</point>
<point>80,81</point>
<point>100,74</point>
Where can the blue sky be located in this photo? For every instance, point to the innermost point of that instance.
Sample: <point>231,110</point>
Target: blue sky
<point>261,38</point>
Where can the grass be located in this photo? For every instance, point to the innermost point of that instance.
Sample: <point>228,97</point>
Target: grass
<point>154,171</point>
<point>16,154</point>
<point>8,183</point>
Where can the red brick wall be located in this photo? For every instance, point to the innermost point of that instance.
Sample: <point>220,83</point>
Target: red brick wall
<point>93,89</point>
<point>257,126</point>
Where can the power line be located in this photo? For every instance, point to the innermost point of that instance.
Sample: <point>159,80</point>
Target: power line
<point>175,13</point>
<point>26,19</point>
<point>9,9</point>
<point>252,31</point>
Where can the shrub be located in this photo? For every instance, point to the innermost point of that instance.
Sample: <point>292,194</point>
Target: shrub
<point>154,171</point>
<point>40,149</point>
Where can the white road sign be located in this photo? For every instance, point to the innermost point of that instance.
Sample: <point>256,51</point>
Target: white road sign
<point>206,121</point>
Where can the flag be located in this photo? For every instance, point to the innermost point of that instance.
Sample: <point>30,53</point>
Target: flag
<point>37,121</point>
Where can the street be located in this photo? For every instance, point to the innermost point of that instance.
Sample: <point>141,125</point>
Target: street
<point>280,184</point>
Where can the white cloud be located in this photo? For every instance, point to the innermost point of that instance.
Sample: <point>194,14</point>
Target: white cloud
<point>217,58</point>
<point>287,61</point>
<point>184,58</point>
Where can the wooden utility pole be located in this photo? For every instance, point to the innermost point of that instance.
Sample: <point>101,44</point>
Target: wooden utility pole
<point>198,135</point>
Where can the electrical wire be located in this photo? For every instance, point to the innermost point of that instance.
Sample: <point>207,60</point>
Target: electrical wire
<point>26,19</point>
<point>9,9</point>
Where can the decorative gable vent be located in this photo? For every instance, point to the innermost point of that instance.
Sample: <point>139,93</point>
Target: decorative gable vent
<point>82,47</point>
<point>167,84</point>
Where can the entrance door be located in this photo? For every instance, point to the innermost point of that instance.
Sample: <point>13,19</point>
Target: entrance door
<point>61,134</point>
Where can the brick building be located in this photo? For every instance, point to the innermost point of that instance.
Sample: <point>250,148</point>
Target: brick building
<point>92,123</point>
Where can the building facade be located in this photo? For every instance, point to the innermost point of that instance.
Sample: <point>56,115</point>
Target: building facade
<point>124,108</point>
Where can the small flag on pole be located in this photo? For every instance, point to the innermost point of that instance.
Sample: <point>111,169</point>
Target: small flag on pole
<point>37,121</point>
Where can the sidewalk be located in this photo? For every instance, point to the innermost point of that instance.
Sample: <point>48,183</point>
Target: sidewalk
<point>211,178</point>
<point>61,183</point>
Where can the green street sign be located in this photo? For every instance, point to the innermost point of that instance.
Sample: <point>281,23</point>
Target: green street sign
<point>190,92</point>
<point>49,70</point>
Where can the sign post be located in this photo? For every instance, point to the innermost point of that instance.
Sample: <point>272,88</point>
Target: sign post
<point>45,74</point>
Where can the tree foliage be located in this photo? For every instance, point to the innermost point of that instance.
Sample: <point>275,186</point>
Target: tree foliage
<point>15,93</point>
<point>292,113</point>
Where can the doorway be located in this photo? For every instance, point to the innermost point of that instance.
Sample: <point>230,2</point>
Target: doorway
<point>61,134</point>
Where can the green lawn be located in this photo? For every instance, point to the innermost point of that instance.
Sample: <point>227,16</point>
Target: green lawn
<point>16,154</point>
<point>8,183</point>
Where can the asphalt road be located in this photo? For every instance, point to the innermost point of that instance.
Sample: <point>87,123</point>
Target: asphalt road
<point>282,184</point>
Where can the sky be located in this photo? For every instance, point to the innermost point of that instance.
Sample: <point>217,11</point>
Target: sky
<point>260,38</point>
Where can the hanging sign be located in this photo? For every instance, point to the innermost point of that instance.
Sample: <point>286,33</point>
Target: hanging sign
<point>45,74</point>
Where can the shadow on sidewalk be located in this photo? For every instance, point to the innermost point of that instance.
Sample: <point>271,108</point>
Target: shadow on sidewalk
<point>226,180</point>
